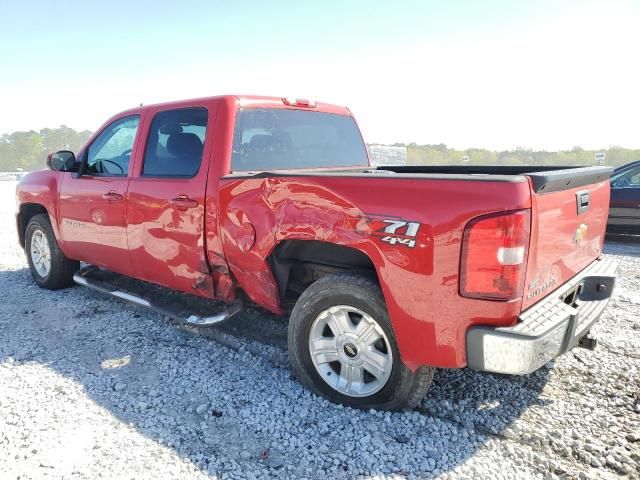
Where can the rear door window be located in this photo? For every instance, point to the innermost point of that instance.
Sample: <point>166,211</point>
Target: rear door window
<point>175,143</point>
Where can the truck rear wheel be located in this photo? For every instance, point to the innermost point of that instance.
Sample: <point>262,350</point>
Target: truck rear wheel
<point>49,267</point>
<point>342,346</point>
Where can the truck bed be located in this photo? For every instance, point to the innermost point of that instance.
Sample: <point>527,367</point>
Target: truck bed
<point>345,205</point>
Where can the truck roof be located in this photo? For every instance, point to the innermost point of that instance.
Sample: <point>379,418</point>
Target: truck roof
<point>257,101</point>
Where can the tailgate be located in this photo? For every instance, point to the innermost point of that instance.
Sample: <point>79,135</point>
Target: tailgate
<point>569,210</point>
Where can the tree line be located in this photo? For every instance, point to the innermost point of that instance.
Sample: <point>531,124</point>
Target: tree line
<point>28,151</point>
<point>442,155</point>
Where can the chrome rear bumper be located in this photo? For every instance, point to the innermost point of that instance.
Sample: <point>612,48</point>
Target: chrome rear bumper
<point>547,329</point>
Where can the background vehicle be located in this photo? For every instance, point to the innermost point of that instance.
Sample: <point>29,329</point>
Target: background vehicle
<point>393,270</point>
<point>624,212</point>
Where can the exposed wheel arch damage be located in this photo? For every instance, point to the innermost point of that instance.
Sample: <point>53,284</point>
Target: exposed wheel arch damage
<point>295,264</point>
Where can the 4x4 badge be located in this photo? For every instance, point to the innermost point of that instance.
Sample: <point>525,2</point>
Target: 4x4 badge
<point>395,231</point>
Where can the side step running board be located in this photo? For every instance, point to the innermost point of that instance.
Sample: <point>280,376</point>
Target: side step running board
<point>84,277</point>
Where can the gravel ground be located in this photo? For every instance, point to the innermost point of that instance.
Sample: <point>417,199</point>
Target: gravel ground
<point>93,388</point>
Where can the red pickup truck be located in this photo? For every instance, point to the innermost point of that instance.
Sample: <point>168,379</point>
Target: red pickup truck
<point>393,271</point>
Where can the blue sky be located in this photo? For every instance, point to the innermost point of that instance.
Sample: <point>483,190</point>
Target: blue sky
<point>495,74</point>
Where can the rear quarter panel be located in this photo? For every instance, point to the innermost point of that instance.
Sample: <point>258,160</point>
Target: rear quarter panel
<point>420,284</point>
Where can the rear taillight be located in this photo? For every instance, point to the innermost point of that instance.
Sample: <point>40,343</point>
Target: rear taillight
<point>494,256</point>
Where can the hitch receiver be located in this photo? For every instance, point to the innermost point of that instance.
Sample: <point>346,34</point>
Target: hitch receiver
<point>588,342</point>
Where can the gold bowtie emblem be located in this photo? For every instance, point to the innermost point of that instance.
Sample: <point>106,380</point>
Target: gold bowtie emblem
<point>581,233</point>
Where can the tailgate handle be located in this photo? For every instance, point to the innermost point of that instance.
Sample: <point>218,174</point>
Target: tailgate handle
<point>582,199</point>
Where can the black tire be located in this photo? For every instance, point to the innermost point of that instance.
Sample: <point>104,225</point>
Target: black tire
<point>404,389</point>
<point>62,269</point>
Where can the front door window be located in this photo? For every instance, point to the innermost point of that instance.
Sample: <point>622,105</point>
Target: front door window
<point>110,152</point>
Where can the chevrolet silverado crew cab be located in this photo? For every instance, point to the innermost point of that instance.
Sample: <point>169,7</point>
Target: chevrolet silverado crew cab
<point>392,271</point>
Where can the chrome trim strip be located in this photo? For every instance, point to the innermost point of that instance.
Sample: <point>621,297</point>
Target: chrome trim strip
<point>131,298</point>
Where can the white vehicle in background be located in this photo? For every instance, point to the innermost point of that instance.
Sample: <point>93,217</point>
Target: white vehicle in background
<point>13,176</point>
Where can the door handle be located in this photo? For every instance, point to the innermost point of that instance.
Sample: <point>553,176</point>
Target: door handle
<point>183,202</point>
<point>112,197</point>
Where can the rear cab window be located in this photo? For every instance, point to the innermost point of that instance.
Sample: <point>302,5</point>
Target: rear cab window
<point>284,139</point>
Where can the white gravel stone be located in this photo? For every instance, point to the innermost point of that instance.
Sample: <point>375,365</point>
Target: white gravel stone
<point>60,417</point>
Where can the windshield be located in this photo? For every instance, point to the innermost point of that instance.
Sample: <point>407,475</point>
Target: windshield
<point>280,139</point>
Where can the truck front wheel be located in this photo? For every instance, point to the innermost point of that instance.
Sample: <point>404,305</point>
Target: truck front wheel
<point>342,346</point>
<point>49,267</point>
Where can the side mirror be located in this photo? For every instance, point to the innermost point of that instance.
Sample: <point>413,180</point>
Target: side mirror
<point>62,161</point>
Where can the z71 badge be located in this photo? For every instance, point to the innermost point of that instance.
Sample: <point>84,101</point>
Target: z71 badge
<point>396,231</point>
